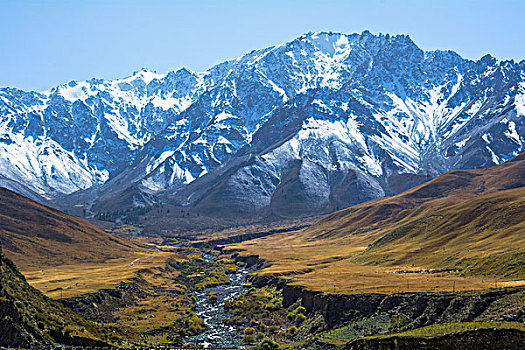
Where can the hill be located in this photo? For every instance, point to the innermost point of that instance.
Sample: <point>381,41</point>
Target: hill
<point>30,319</point>
<point>34,236</point>
<point>462,230</point>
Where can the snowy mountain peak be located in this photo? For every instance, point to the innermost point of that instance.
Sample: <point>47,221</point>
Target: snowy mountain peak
<point>325,115</point>
<point>488,59</point>
<point>147,75</point>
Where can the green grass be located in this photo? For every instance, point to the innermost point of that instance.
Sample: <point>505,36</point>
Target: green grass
<point>450,328</point>
<point>50,319</point>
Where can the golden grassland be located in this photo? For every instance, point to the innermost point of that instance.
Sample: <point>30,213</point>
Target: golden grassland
<point>330,266</point>
<point>64,256</point>
<point>35,312</point>
<point>470,223</point>
<point>80,278</point>
<point>34,236</point>
<point>164,303</point>
<point>165,300</point>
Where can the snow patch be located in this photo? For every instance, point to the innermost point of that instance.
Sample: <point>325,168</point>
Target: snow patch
<point>519,101</point>
<point>462,143</point>
<point>512,134</point>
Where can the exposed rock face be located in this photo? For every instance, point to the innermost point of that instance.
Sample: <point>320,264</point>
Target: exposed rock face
<point>411,310</point>
<point>101,305</point>
<point>402,311</point>
<point>259,281</point>
<point>313,125</point>
<point>364,315</point>
<point>415,309</point>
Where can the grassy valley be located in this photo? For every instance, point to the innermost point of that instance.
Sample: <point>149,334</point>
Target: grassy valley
<point>442,262</point>
<point>460,231</point>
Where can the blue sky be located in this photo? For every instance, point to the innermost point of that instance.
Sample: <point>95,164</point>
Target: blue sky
<point>45,43</point>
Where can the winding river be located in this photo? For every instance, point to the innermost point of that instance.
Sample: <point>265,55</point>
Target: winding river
<point>218,334</point>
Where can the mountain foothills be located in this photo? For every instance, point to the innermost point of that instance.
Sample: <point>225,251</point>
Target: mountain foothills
<point>35,236</point>
<point>457,231</point>
<point>412,269</point>
<point>30,320</point>
<point>310,126</point>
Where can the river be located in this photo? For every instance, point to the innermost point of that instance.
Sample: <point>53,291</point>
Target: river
<point>218,334</point>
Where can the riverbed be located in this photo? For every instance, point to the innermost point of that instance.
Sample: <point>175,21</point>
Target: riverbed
<point>218,334</point>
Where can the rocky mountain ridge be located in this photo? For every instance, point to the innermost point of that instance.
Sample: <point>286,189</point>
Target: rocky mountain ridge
<point>313,125</point>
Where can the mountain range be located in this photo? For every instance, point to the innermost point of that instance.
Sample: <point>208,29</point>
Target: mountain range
<point>310,126</point>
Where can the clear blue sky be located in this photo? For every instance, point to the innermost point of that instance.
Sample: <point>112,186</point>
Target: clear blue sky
<point>45,43</point>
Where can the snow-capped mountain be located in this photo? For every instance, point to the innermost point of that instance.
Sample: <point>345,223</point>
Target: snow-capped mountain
<point>315,124</point>
<point>81,133</point>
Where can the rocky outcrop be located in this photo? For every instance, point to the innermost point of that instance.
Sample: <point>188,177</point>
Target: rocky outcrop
<point>409,310</point>
<point>259,281</point>
<point>403,310</point>
<point>249,260</point>
<point>487,339</point>
<point>101,305</point>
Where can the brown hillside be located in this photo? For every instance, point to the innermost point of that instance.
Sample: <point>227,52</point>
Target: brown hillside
<point>447,189</point>
<point>468,221</point>
<point>34,235</point>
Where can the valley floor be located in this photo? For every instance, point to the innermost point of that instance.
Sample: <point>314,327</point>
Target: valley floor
<point>334,266</point>
<point>71,280</point>
<point>159,293</point>
<point>307,292</point>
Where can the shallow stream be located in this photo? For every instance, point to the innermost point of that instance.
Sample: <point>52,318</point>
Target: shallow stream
<point>218,334</point>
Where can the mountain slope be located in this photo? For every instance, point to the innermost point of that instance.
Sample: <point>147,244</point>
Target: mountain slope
<point>313,125</point>
<point>35,235</point>
<point>453,188</point>
<point>471,222</point>
<point>341,148</point>
<point>395,122</point>
<point>31,320</point>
